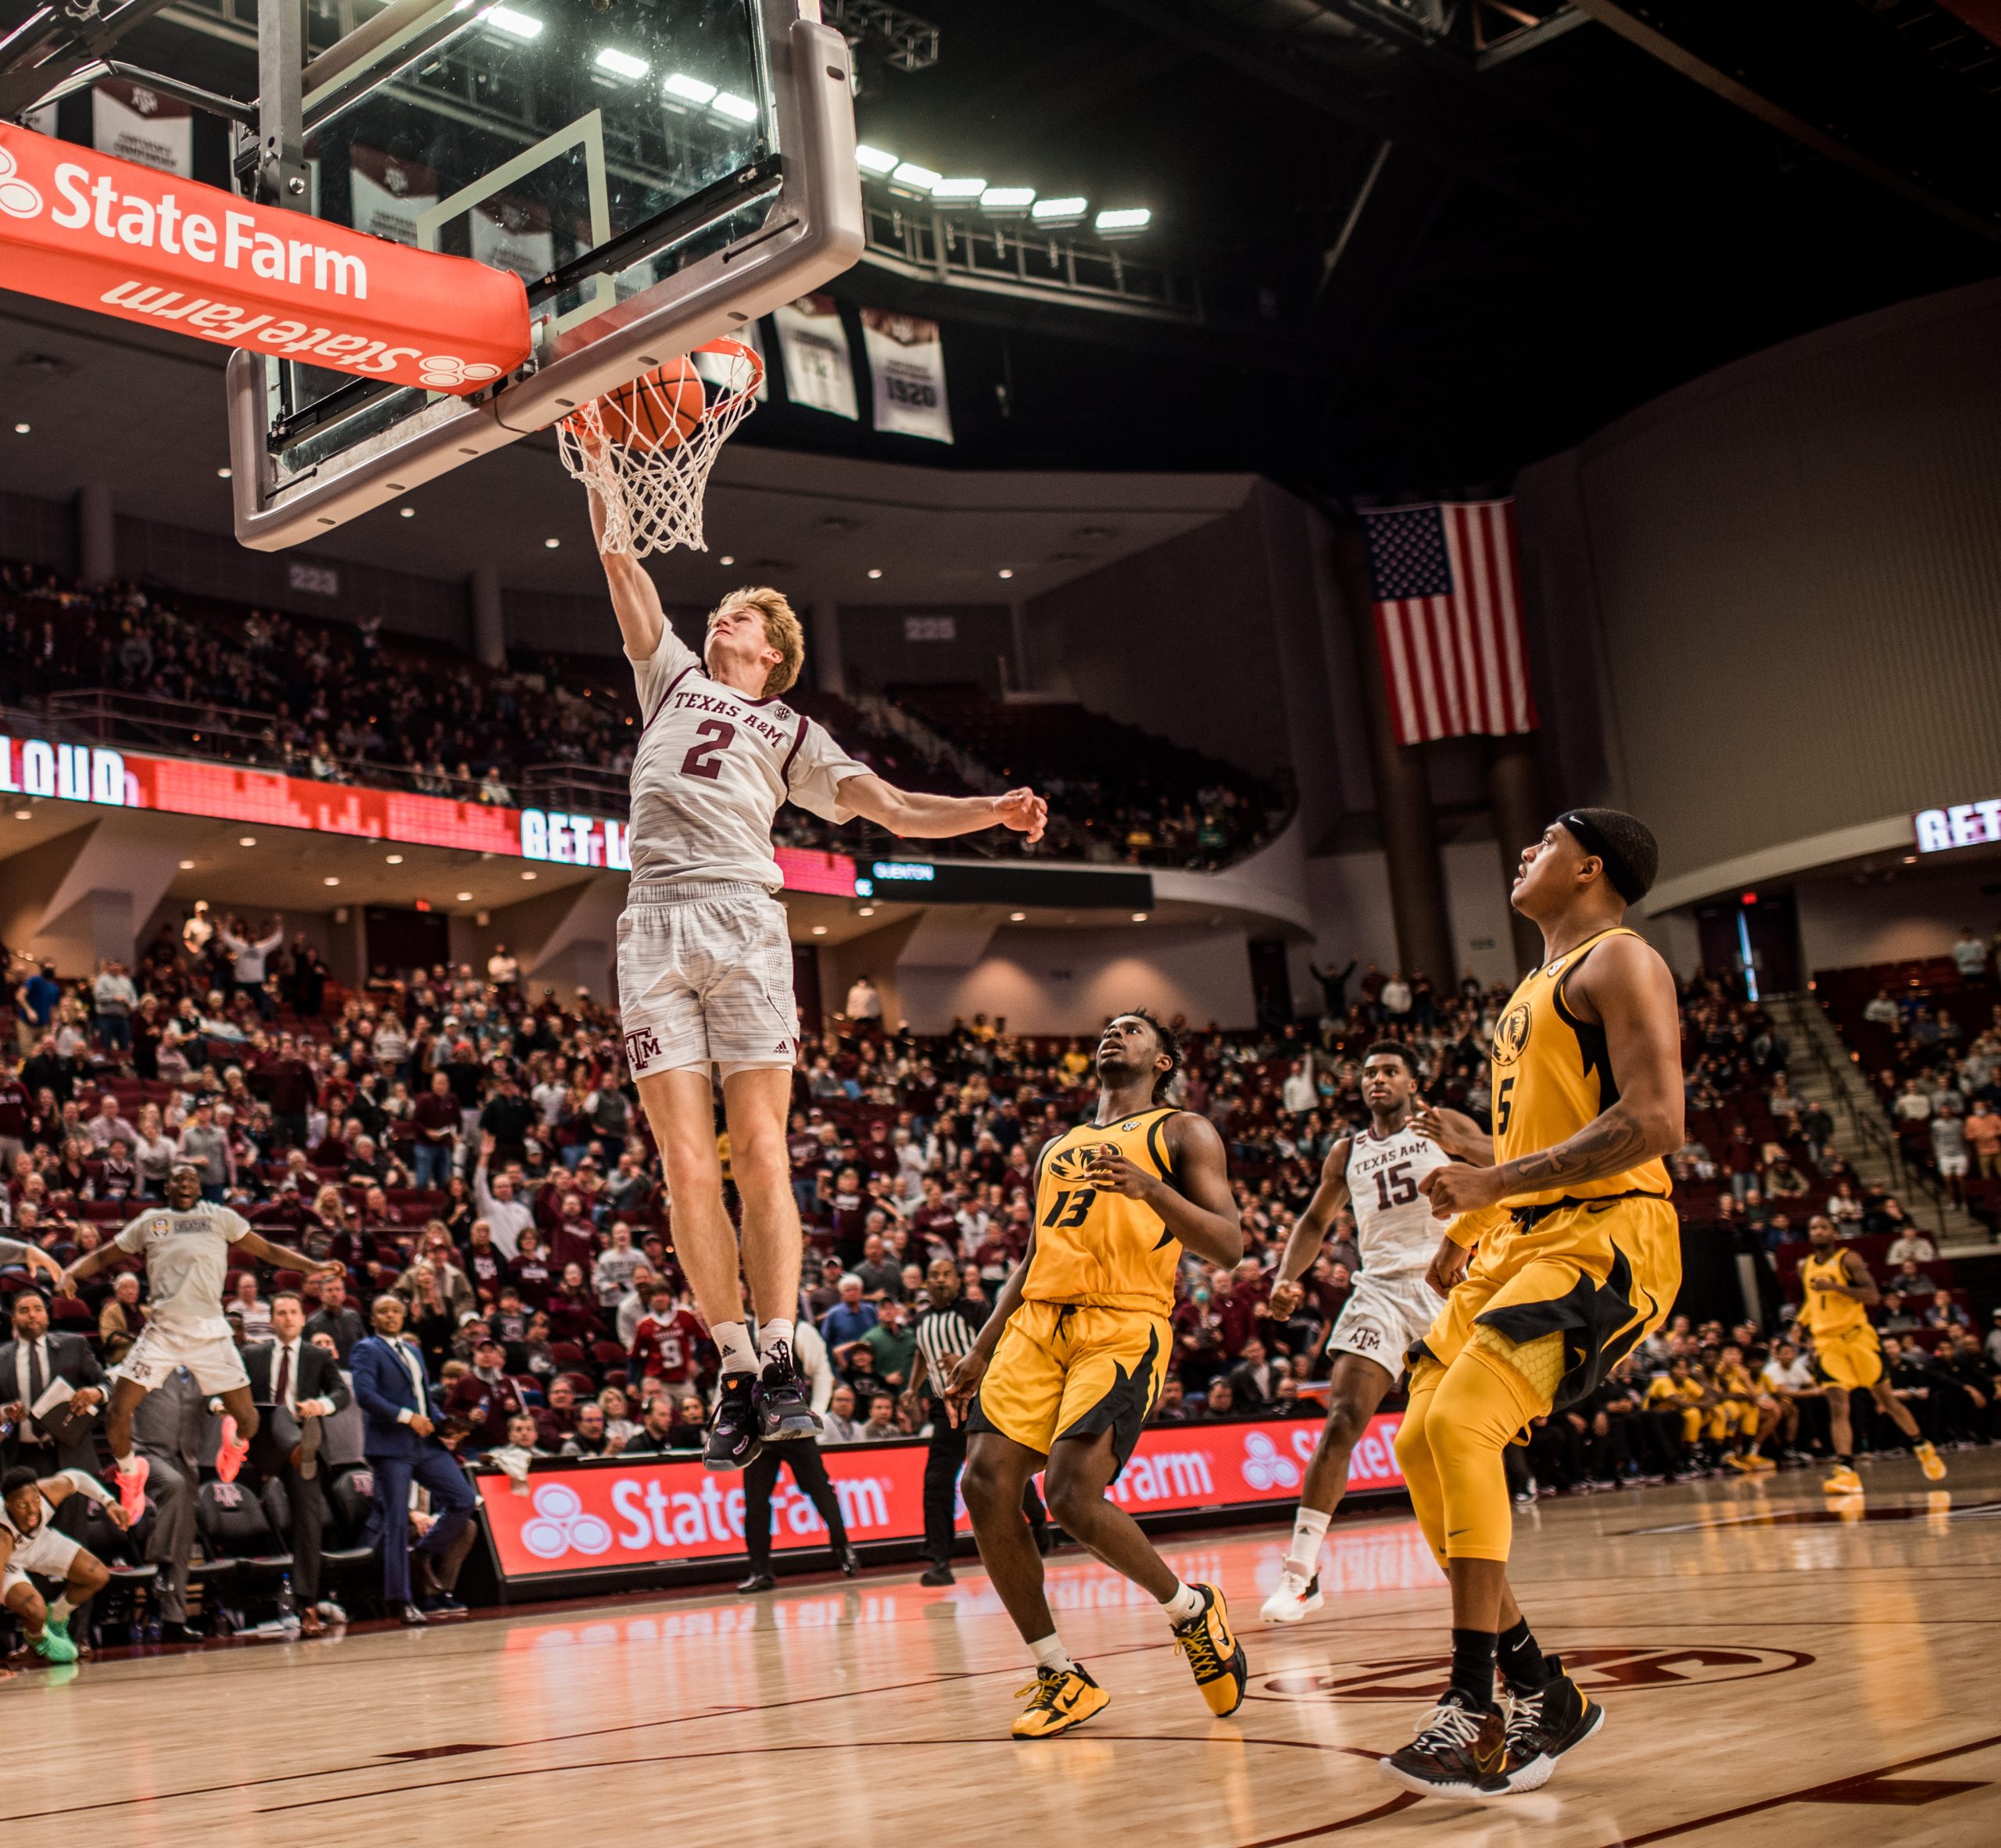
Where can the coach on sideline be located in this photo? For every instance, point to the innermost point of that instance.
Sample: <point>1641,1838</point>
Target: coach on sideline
<point>400,1439</point>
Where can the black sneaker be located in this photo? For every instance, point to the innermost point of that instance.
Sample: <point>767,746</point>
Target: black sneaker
<point>1461,1750</point>
<point>936,1575</point>
<point>1542,1726</point>
<point>733,1441</point>
<point>785,1409</point>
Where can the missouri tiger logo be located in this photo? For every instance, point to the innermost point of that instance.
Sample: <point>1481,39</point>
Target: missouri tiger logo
<point>1068,1164</point>
<point>1511,1034</point>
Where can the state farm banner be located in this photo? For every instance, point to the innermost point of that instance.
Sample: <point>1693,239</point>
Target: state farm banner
<point>118,238</point>
<point>906,361</point>
<point>615,1515</point>
<point>819,370</point>
<point>129,122</point>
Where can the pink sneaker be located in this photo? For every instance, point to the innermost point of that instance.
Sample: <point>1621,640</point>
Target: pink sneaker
<point>132,1488</point>
<point>229,1459</point>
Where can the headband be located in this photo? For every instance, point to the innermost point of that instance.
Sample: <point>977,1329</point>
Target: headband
<point>1625,882</point>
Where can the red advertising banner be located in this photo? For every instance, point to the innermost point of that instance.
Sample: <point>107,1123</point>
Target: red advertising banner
<point>615,1515</point>
<point>119,238</point>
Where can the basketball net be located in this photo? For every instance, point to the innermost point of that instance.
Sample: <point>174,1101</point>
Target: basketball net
<point>652,496</point>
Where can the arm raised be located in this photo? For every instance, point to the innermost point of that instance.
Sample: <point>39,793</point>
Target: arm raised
<point>913,815</point>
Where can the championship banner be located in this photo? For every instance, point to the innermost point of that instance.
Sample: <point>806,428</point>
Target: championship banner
<point>129,122</point>
<point>385,195</point>
<point>614,1515</point>
<point>819,370</point>
<point>906,361</point>
<point>119,239</point>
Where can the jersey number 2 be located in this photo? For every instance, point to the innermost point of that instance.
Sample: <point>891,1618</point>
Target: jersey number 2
<point>1394,1186</point>
<point>701,761</point>
<point>1079,1204</point>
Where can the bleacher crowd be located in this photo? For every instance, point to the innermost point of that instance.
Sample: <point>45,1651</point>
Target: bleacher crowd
<point>472,1147</point>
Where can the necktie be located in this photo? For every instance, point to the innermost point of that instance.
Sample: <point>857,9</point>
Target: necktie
<point>37,1379</point>
<point>283,1394</point>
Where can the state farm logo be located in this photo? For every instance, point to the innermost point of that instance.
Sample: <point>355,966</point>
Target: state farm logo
<point>18,198</point>
<point>1598,1670</point>
<point>561,1525</point>
<point>1264,1467</point>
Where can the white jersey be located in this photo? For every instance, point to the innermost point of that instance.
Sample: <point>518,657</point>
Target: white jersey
<point>186,1257</point>
<point>1394,1227</point>
<point>712,767</point>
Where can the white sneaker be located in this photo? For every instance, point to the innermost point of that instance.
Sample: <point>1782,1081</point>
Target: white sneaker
<point>1295,1598</point>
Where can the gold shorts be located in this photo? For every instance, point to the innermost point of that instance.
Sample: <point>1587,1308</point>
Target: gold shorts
<point>1072,1371</point>
<point>1602,1273</point>
<point>1852,1358</point>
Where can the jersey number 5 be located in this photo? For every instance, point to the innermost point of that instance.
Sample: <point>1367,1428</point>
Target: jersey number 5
<point>701,761</point>
<point>1079,1204</point>
<point>1504,1104</point>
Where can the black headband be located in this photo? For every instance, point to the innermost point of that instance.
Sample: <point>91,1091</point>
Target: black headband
<point>1625,882</point>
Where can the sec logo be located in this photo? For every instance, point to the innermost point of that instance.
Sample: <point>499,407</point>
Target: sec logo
<point>1511,1034</point>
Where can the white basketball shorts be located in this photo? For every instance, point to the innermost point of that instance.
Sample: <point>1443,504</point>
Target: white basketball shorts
<point>45,1552</point>
<point>213,1359</point>
<point>1382,1317</point>
<point>705,980</point>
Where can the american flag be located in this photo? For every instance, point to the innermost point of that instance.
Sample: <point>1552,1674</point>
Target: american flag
<point>1447,584</point>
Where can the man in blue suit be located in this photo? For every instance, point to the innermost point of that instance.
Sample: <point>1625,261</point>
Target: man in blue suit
<point>400,1444</point>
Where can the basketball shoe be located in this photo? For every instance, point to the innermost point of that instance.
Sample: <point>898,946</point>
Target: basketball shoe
<point>1214,1653</point>
<point>1460,1750</point>
<point>229,1459</point>
<point>734,1439</point>
<point>1297,1597</point>
<point>1929,1461</point>
<point>131,1486</point>
<point>1842,1480</point>
<point>53,1645</point>
<point>785,1409</point>
<point>1544,1725</point>
<point>1062,1698</point>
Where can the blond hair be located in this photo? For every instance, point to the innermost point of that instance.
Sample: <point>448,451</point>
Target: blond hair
<point>782,631</point>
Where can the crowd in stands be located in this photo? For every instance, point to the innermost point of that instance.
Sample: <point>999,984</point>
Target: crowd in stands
<point>473,1146</point>
<point>342,702</point>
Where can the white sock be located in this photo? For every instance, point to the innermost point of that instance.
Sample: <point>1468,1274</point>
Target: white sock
<point>1187,1603</point>
<point>126,1464</point>
<point>739,1352</point>
<point>1050,1653</point>
<point>775,1341</point>
<point>60,1610</point>
<point>1309,1528</point>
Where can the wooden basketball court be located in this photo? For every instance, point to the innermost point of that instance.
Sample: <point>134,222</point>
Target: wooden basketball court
<point>1772,1672</point>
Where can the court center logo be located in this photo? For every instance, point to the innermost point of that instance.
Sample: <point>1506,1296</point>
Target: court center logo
<point>1511,1034</point>
<point>19,198</point>
<point>1598,1670</point>
<point>1264,1467</point>
<point>559,1525</point>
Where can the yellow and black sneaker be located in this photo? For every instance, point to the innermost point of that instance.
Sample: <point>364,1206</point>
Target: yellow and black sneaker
<point>1063,1697</point>
<point>1930,1462</point>
<point>1214,1653</point>
<point>1461,1750</point>
<point>1842,1480</point>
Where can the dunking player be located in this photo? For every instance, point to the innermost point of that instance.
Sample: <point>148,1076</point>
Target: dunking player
<point>1069,1364</point>
<point>187,1245</point>
<point>1838,1293</point>
<point>705,960</point>
<point>1587,1100</point>
<point>1380,1169</point>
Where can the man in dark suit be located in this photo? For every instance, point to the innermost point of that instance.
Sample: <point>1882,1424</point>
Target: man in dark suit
<point>403,1446</point>
<point>28,1363</point>
<point>295,1385</point>
<point>175,1431</point>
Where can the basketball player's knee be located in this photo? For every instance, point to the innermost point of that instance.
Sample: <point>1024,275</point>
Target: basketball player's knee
<point>989,1492</point>
<point>25,1601</point>
<point>1346,1422</point>
<point>88,1575</point>
<point>1073,1500</point>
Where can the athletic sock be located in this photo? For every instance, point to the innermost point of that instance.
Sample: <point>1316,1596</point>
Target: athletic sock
<point>1309,1528</point>
<point>1520,1658</point>
<point>59,1610</point>
<point>1473,1667</point>
<point>739,1352</point>
<point>774,1342</point>
<point>1844,1463</point>
<point>1050,1653</point>
<point>125,1465</point>
<point>1184,1606</point>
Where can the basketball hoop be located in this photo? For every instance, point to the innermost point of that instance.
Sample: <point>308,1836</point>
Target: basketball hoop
<point>646,452</point>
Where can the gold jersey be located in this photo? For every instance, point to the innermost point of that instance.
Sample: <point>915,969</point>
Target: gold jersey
<point>1823,1313</point>
<point>1552,1074</point>
<point>1097,1246</point>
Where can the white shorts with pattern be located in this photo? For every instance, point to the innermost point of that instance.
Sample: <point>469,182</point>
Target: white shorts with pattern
<point>213,1359</point>
<point>705,980</point>
<point>1382,1317</point>
<point>44,1552</point>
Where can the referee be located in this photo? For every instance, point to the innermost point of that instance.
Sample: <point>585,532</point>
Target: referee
<point>947,1328</point>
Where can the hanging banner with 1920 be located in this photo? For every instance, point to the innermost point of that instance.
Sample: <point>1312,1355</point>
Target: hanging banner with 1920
<point>907,360</point>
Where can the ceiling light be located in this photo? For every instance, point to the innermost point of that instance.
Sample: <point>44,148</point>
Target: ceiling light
<point>1006,572</point>
<point>727,558</point>
<point>1139,916</point>
<point>621,63</point>
<point>1060,211</point>
<point>819,930</point>
<point>465,898</point>
<point>23,429</point>
<point>408,513</point>
<point>873,160</point>
<point>689,89</point>
<point>247,840</point>
<point>876,571</point>
<point>1136,218</point>
<point>738,109</point>
<point>516,25</point>
<point>1007,199</point>
<point>222,474</point>
<point>528,875</point>
<point>187,865</point>
<point>957,192</point>
<point>395,859</point>
<point>909,174</point>
<point>1018,917</point>
<point>550,545</point>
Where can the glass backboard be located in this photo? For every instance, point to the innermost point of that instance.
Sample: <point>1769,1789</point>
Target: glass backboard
<point>657,172</point>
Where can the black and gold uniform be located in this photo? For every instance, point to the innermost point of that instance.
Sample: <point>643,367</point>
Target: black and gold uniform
<point>1846,1352</point>
<point>1563,1285</point>
<point>1087,1350</point>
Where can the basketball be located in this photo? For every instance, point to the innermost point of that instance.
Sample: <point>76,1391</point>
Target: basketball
<point>658,409</point>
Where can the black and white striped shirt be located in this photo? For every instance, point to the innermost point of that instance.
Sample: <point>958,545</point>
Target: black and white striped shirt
<point>945,1332</point>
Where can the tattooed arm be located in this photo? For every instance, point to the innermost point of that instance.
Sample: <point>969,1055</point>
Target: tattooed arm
<point>1624,986</point>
